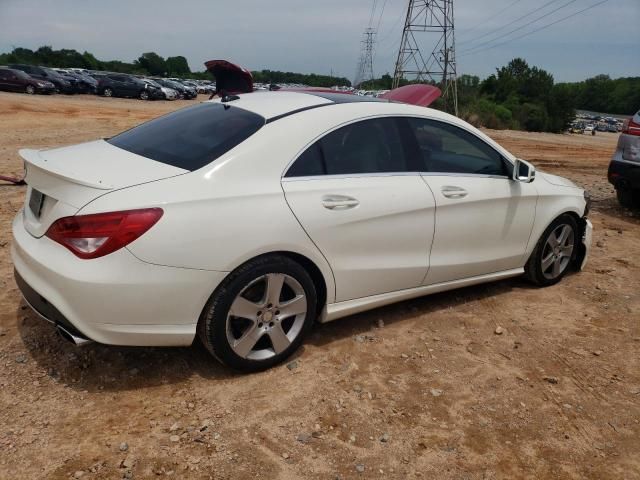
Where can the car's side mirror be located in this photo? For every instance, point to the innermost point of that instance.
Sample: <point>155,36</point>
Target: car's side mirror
<point>523,171</point>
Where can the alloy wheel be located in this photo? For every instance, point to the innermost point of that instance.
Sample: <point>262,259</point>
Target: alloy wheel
<point>30,89</point>
<point>266,316</point>
<point>557,251</point>
<point>108,92</point>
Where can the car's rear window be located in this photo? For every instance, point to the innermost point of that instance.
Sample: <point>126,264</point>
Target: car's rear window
<point>192,137</point>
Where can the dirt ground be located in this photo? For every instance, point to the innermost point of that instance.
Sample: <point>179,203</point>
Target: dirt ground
<point>421,389</point>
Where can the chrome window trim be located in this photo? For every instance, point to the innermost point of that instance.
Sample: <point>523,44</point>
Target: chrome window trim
<point>392,174</point>
<point>394,115</point>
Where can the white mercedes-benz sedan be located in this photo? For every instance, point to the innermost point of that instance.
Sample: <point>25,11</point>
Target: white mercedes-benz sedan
<point>244,219</point>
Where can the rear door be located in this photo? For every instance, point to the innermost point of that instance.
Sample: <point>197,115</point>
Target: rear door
<point>365,208</point>
<point>483,218</point>
<point>6,82</point>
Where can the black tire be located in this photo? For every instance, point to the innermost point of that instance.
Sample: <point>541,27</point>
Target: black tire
<point>143,95</point>
<point>627,197</point>
<point>30,89</point>
<point>212,326</point>
<point>107,92</point>
<point>534,269</point>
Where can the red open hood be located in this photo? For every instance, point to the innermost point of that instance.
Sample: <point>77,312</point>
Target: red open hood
<point>417,94</point>
<point>230,78</point>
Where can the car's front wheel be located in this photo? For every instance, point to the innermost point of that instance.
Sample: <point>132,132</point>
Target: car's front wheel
<point>144,95</point>
<point>30,89</point>
<point>260,313</point>
<point>107,92</point>
<point>552,256</point>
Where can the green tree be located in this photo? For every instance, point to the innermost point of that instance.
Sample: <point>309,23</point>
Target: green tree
<point>152,63</point>
<point>177,66</point>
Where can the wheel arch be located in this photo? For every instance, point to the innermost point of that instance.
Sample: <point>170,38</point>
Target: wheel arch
<point>316,275</point>
<point>540,229</point>
<point>319,281</point>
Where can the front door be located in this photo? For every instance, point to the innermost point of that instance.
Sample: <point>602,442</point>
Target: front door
<point>483,218</point>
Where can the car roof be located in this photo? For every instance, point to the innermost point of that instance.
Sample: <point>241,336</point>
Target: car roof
<point>276,104</point>
<point>273,105</point>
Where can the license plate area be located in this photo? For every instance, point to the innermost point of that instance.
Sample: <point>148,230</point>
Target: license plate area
<point>35,202</point>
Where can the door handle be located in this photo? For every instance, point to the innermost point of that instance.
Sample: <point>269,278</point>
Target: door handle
<point>339,202</point>
<point>454,192</point>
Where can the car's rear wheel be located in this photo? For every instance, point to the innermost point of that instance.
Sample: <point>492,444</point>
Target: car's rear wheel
<point>30,89</point>
<point>554,252</point>
<point>260,313</point>
<point>107,92</point>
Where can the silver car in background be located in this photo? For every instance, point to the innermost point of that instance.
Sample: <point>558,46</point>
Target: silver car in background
<point>624,169</point>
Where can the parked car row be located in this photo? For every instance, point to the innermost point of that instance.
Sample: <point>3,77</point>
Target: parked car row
<point>33,79</point>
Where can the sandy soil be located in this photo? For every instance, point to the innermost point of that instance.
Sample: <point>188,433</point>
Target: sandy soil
<point>421,389</point>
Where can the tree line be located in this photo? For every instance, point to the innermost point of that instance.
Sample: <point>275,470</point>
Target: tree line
<point>519,96</point>
<point>150,63</point>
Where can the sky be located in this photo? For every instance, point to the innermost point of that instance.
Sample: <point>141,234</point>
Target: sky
<point>325,37</point>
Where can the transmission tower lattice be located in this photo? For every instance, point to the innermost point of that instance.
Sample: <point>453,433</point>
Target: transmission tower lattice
<point>429,20</point>
<point>365,64</point>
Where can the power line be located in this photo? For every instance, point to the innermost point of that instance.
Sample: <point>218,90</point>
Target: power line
<point>491,17</point>
<point>520,27</point>
<point>536,29</point>
<point>491,32</point>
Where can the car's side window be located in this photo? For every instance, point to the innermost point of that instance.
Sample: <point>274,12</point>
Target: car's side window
<point>446,148</point>
<point>367,146</point>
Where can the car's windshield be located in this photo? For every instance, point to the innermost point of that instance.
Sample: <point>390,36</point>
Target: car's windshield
<point>192,137</point>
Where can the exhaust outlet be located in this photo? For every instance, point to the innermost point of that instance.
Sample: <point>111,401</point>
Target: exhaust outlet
<point>77,341</point>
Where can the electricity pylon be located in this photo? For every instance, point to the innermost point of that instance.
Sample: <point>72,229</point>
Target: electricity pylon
<point>429,20</point>
<point>365,64</point>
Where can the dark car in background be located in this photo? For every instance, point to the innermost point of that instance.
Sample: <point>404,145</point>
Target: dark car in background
<point>46,74</point>
<point>12,80</point>
<point>185,92</point>
<point>624,169</point>
<point>121,85</point>
<point>83,83</point>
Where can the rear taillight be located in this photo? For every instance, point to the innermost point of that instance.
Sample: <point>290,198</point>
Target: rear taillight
<point>630,127</point>
<point>96,235</point>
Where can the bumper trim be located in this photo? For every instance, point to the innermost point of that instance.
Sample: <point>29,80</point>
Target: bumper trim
<point>48,312</point>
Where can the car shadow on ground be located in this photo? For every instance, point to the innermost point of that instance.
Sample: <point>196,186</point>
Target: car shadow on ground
<point>95,367</point>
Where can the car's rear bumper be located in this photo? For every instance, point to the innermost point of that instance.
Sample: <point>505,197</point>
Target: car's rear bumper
<point>624,173</point>
<point>116,299</point>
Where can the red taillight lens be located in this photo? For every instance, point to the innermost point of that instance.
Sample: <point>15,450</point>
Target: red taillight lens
<point>630,127</point>
<point>99,234</point>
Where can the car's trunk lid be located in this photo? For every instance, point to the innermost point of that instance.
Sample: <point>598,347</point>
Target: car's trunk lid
<point>63,180</point>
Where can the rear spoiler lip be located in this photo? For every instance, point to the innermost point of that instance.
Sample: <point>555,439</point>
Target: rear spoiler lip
<point>32,158</point>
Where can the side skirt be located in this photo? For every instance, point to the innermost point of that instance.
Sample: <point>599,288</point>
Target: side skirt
<point>338,310</point>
